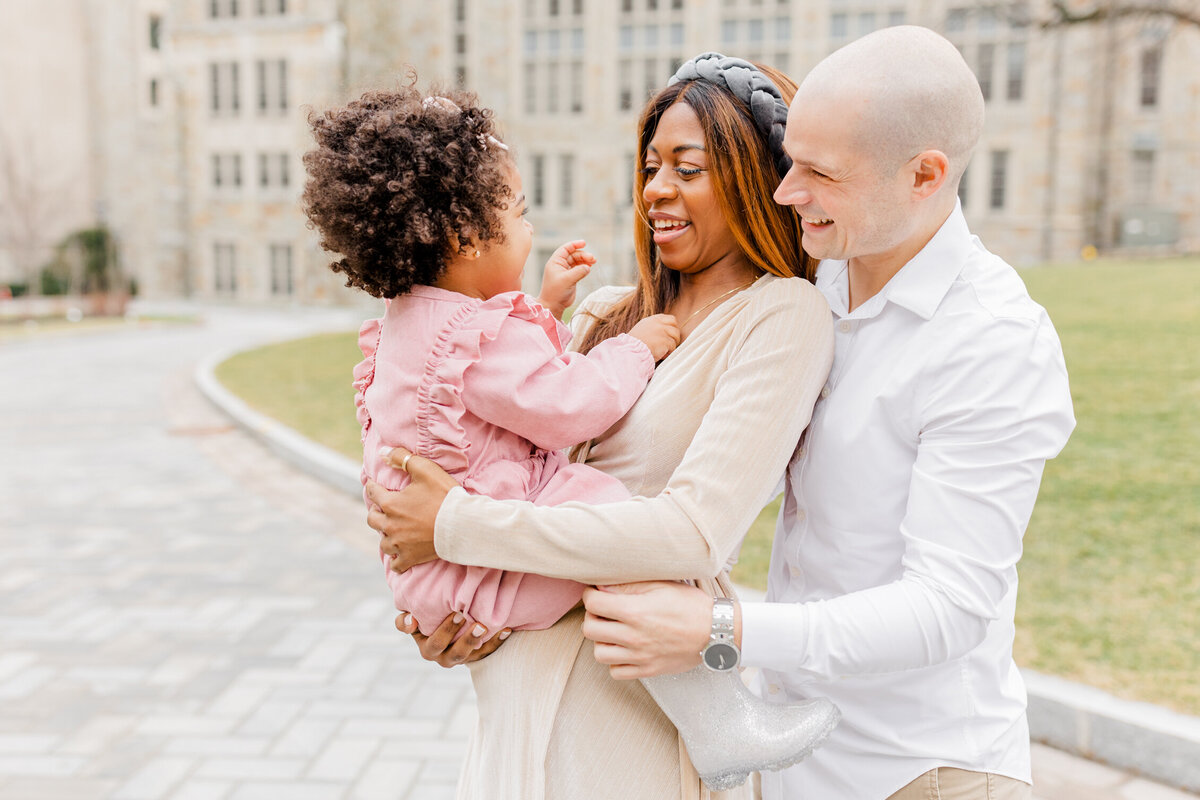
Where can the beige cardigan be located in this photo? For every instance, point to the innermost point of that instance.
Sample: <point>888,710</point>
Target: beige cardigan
<point>703,450</point>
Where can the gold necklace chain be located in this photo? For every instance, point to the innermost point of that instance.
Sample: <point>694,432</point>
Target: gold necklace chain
<point>712,302</point>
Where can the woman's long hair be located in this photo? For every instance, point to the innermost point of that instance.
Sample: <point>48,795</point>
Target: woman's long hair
<point>744,179</point>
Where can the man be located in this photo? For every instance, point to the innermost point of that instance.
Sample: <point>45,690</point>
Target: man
<point>893,579</point>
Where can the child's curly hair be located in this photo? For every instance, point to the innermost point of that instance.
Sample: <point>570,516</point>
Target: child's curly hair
<point>395,180</point>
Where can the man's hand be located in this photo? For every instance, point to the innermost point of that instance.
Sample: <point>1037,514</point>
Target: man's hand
<point>440,646</point>
<point>405,519</point>
<point>645,629</point>
<point>568,265</point>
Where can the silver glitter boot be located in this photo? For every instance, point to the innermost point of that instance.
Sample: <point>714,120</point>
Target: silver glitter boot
<point>730,732</point>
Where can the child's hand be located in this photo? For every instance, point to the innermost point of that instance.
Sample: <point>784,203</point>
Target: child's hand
<point>567,266</point>
<point>660,333</point>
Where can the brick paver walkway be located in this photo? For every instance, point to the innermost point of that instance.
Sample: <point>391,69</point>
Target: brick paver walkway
<point>183,616</point>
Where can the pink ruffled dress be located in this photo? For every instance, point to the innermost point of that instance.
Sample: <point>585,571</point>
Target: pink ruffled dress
<point>486,389</point>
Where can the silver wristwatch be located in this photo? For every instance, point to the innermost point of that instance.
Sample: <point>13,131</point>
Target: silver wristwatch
<point>721,654</point>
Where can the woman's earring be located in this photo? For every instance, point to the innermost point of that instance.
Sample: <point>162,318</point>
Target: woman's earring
<point>477,254</point>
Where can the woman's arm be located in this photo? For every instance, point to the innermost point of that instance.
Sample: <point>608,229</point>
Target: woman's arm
<point>763,403</point>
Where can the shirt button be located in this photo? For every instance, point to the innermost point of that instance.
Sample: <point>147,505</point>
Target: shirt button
<point>772,688</point>
<point>844,326</point>
<point>800,515</point>
<point>825,391</point>
<point>796,572</point>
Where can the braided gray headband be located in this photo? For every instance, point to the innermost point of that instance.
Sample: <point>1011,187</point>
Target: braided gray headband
<point>746,83</point>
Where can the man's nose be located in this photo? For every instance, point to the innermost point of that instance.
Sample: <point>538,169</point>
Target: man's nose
<point>791,190</point>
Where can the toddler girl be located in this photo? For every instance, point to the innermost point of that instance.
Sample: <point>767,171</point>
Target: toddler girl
<point>425,206</point>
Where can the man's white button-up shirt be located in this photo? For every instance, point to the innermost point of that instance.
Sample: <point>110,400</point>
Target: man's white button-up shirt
<point>893,577</point>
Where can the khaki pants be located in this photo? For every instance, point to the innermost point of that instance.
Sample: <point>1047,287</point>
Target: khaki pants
<point>947,783</point>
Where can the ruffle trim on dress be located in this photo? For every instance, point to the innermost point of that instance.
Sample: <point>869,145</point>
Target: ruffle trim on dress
<point>440,408</point>
<point>364,371</point>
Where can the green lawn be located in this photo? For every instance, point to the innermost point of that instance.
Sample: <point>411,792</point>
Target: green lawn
<point>1110,581</point>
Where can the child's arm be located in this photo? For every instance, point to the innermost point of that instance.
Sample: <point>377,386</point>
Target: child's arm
<point>568,265</point>
<point>523,382</point>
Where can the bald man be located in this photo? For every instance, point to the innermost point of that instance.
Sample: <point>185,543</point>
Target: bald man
<point>893,581</point>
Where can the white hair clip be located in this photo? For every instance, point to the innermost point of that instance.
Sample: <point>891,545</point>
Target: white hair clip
<point>444,103</point>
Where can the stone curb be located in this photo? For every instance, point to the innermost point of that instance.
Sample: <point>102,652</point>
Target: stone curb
<point>299,451</point>
<point>1139,737</point>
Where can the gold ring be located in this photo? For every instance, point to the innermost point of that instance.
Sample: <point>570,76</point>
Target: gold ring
<point>404,463</point>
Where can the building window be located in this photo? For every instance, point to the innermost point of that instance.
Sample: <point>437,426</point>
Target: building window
<point>566,177</point>
<point>956,20</point>
<point>531,73</point>
<point>225,94</point>
<point>1151,72</point>
<point>999,179</point>
<point>839,26</point>
<point>625,38</point>
<point>222,8</point>
<point>577,8</point>
<point>154,91</point>
<point>729,31</point>
<point>1015,86</point>
<point>625,85</point>
<point>226,169</point>
<point>224,268</point>
<point>986,66</point>
<point>650,78</point>
<point>896,17</point>
<point>538,197</point>
<point>273,170</point>
<point>155,32</point>
<point>267,7</point>
<point>552,88</point>
<point>282,280</point>
<point>272,86</point>
<point>576,87</point>
<point>460,10</point>
<point>553,10</point>
<point>1142,179</point>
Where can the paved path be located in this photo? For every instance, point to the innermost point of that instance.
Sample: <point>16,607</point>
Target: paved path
<point>183,616</point>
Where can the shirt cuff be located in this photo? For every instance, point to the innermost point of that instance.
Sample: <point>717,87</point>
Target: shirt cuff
<point>444,529</point>
<point>774,635</point>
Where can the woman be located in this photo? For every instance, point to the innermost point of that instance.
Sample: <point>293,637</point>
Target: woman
<point>703,448</point>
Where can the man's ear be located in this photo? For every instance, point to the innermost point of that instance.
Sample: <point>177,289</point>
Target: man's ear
<point>930,169</point>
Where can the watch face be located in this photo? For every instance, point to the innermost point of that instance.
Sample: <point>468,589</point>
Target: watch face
<point>721,656</point>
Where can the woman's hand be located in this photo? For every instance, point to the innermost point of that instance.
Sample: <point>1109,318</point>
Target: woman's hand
<point>440,646</point>
<point>405,519</point>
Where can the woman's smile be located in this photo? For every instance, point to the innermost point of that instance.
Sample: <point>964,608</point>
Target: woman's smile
<point>667,228</point>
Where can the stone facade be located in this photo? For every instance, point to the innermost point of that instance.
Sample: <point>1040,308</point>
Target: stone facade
<point>195,112</point>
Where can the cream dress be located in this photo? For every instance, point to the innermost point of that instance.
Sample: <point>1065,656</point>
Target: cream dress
<point>703,450</point>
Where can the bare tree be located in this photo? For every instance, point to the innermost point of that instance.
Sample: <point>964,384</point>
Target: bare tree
<point>30,200</point>
<point>1062,13</point>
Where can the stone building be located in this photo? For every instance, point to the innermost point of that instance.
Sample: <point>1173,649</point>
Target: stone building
<point>197,112</point>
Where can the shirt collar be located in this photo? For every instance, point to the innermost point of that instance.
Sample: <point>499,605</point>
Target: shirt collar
<point>920,284</point>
